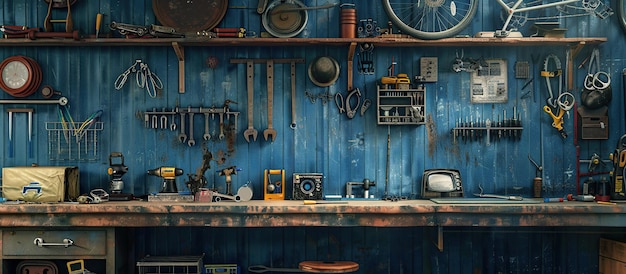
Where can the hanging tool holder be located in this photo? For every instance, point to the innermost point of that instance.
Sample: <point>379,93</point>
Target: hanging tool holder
<point>488,130</point>
<point>71,142</point>
<point>166,119</point>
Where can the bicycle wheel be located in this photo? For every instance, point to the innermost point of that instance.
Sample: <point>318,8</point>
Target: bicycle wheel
<point>621,13</point>
<point>430,19</point>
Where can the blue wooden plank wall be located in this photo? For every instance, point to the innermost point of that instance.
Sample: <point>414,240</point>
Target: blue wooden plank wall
<point>324,141</point>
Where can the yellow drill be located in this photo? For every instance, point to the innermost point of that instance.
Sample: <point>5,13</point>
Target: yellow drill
<point>169,177</point>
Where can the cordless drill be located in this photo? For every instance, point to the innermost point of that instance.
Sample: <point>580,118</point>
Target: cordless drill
<point>169,177</point>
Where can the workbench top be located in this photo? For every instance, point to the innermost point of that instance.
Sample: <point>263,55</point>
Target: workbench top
<point>259,213</point>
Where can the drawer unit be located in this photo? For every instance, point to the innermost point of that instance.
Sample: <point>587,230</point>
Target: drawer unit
<point>58,244</point>
<point>54,243</point>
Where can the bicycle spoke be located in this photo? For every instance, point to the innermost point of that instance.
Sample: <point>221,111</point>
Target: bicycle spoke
<point>430,19</point>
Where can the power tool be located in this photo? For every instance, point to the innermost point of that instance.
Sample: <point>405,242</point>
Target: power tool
<point>116,171</point>
<point>169,177</point>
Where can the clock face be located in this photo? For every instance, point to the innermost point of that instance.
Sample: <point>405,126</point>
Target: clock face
<point>20,76</point>
<point>15,74</point>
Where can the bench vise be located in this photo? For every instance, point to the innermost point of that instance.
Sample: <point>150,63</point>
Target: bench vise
<point>365,184</point>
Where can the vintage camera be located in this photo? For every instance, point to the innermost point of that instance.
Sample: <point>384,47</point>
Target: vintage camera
<point>307,186</point>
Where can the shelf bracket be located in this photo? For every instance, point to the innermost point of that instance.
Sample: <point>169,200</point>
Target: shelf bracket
<point>576,48</point>
<point>180,53</point>
<point>439,242</point>
<point>440,238</point>
<point>351,50</point>
<point>572,52</point>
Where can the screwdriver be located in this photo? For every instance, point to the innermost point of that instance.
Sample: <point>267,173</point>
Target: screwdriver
<point>98,23</point>
<point>317,202</point>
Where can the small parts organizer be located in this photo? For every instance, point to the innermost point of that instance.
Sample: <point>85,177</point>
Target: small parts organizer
<point>73,141</point>
<point>402,106</point>
<point>171,264</point>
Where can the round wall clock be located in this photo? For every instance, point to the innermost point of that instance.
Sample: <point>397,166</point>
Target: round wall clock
<point>20,76</point>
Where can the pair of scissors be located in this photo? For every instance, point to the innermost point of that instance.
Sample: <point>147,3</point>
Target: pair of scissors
<point>598,80</point>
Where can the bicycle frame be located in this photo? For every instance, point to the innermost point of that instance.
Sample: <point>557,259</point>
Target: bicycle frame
<point>435,19</point>
<point>515,9</point>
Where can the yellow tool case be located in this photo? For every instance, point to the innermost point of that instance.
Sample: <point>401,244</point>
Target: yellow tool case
<point>40,184</point>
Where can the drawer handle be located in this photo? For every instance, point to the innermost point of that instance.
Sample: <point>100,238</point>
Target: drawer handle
<point>66,243</point>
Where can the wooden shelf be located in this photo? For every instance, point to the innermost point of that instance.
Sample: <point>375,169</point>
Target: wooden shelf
<point>259,213</point>
<point>256,42</point>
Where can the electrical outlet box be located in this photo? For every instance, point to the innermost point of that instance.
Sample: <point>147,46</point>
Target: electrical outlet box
<point>428,69</point>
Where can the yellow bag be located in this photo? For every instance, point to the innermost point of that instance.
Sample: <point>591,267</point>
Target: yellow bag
<point>40,184</point>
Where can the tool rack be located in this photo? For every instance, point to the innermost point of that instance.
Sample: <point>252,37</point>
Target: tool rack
<point>476,130</point>
<point>400,106</point>
<point>152,118</point>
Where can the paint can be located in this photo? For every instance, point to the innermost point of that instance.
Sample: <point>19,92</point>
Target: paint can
<point>348,21</point>
<point>537,186</point>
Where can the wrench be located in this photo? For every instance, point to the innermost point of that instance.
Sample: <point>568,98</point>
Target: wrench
<point>293,96</point>
<point>173,122</point>
<point>221,136</point>
<point>207,135</point>
<point>270,101</point>
<point>191,141</point>
<point>182,137</point>
<point>236,115</point>
<point>250,132</point>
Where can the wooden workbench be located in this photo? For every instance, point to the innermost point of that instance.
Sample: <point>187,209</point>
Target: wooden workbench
<point>259,213</point>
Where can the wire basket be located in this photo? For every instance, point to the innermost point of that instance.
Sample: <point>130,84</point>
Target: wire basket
<point>70,142</point>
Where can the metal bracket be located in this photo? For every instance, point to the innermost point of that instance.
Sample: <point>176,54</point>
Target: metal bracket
<point>180,53</point>
<point>351,50</point>
<point>439,242</point>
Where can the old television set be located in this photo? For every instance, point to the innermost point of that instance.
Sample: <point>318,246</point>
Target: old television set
<point>441,183</point>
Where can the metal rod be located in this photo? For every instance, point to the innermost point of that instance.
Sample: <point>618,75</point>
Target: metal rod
<point>61,101</point>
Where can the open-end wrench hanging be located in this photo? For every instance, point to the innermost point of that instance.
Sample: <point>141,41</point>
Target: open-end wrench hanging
<point>270,131</point>
<point>207,135</point>
<point>293,96</point>
<point>191,142</point>
<point>250,131</point>
<point>182,136</point>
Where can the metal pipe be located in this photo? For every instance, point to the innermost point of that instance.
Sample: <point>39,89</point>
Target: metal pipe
<point>61,101</point>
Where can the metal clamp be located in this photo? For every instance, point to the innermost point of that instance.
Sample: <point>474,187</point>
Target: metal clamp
<point>66,243</point>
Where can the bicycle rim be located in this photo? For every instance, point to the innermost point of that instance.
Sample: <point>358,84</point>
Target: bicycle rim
<point>430,19</point>
<point>621,14</point>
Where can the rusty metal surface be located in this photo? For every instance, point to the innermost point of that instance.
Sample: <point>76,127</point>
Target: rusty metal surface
<point>294,213</point>
<point>190,16</point>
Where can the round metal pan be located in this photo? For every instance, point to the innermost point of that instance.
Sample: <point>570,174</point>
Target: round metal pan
<point>57,4</point>
<point>190,16</point>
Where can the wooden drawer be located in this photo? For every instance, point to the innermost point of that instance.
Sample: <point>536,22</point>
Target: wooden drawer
<point>23,242</point>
